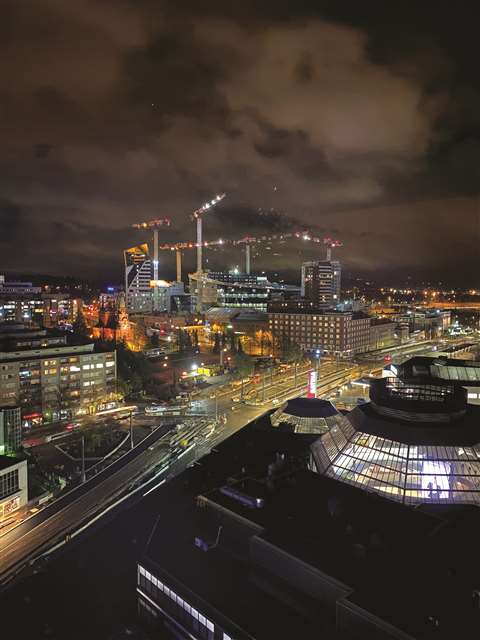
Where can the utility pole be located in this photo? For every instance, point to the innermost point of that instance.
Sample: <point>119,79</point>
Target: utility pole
<point>295,374</point>
<point>216,405</point>
<point>84,477</point>
<point>263,388</point>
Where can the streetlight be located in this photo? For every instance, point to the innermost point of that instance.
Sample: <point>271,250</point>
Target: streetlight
<point>222,351</point>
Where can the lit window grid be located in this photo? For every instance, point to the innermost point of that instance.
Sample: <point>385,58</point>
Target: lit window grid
<point>9,483</point>
<point>191,611</point>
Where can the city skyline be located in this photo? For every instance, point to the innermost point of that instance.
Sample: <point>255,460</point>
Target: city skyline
<point>368,133</point>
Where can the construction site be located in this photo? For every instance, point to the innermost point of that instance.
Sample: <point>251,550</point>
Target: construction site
<point>146,291</point>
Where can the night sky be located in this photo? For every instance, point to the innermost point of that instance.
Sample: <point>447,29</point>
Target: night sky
<point>359,120</point>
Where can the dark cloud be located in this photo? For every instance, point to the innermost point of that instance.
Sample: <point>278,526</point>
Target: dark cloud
<point>361,122</point>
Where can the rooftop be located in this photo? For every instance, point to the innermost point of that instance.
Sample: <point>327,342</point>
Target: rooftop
<point>6,462</point>
<point>389,554</point>
<point>441,368</point>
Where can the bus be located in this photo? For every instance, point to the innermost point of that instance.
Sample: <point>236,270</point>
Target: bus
<point>120,413</point>
<point>154,353</point>
<point>164,409</point>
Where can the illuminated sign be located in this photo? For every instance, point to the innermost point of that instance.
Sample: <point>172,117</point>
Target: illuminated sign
<point>312,385</point>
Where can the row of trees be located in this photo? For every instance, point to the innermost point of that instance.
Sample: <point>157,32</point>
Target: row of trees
<point>187,340</point>
<point>231,342</point>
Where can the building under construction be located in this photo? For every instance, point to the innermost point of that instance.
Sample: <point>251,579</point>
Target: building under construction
<point>144,293</point>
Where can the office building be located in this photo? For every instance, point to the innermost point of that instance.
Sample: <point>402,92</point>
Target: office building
<point>10,430</point>
<point>240,290</point>
<point>20,302</point>
<point>335,333</point>
<point>321,283</point>
<point>13,485</point>
<point>138,278</point>
<point>60,309</point>
<point>56,382</point>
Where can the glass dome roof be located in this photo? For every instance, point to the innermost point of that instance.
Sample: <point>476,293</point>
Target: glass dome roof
<point>438,465</point>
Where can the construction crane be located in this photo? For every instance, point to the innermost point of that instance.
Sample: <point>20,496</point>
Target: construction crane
<point>155,225</point>
<point>198,216</point>
<point>331,244</point>
<point>249,241</point>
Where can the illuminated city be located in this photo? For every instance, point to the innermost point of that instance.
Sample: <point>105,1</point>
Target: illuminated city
<point>239,320</point>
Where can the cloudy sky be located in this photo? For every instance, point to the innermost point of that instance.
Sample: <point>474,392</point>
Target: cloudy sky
<point>355,119</point>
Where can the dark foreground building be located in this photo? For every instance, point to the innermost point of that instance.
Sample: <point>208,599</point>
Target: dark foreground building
<point>270,536</point>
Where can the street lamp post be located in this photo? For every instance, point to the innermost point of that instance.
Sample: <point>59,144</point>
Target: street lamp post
<point>131,431</point>
<point>84,477</point>
<point>222,351</point>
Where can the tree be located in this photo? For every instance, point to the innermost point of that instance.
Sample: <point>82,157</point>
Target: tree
<point>139,337</point>
<point>154,341</point>
<point>113,325</point>
<point>240,347</point>
<point>79,327</point>
<point>291,351</point>
<point>216,345</point>
<point>133,369</point>
<point>233,347</point>
<point>244,365</point>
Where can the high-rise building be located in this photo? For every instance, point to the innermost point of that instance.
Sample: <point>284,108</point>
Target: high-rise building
<point>321,280</point>
<point>10,430</point>
<point>138,278</point>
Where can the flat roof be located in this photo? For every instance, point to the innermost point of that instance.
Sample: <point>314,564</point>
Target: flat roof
<point>310,408</point>
<point>7,461</point>
<point>57,351</point>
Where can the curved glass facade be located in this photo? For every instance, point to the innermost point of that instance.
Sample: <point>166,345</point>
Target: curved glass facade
<point>407,473</point>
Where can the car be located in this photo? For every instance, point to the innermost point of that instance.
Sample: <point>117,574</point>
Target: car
<point>275,401</point>
<point>236,399</point>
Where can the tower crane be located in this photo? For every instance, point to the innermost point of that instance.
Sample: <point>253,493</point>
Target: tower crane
<point>330,243</point>
<point>198,216</point>
<point>155,225</point>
